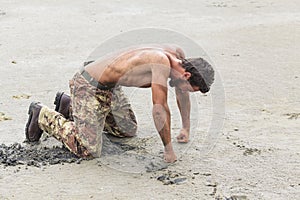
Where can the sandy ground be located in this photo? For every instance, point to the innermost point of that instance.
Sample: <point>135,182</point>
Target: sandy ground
<point>254,46</point>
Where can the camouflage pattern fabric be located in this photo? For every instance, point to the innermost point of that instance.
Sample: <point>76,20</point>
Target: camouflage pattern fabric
<point>92,110</point>
<point>63,130</point>
<point>120,121</point>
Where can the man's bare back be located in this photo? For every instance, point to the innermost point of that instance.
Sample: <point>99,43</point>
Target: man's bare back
<point>132,67</point>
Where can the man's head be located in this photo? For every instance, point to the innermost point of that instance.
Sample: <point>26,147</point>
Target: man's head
<point>202,73</point>
<point>198,75</point>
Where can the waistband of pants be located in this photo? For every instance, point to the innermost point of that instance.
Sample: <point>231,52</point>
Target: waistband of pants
<point>94,82</point>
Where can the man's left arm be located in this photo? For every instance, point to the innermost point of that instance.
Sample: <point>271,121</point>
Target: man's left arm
<point>184,105</point>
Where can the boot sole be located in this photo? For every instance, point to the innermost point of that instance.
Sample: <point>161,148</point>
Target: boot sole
<point>30,113</point>
<point>57,100</point>
<point>28,122</point>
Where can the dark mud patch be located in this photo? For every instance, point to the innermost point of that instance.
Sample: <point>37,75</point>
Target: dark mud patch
<point>16,154</point>
<point>121,154</point>
<point>172,177</point>
<point>34,154</point>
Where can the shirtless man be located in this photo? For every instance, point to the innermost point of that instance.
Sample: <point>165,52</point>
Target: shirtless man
<point>96,97</point>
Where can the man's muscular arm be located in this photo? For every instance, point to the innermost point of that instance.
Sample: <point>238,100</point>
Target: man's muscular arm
<point>161,116</point>
<point>161,112</point>
<point>184,105</point>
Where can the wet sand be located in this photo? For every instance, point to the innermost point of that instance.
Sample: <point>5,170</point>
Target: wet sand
<point>254,46</point>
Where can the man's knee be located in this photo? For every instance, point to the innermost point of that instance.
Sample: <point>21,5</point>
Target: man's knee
<point>121,130</point>
<point>131,132</point>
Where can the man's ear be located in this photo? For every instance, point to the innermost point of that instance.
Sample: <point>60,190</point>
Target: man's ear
<point>186,75</point>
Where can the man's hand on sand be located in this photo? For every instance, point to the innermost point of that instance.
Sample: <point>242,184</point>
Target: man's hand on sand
<point>169,155</point>
<point>183,137</point>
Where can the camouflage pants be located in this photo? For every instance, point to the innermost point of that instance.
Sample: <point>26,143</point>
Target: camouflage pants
<point>92,110</point>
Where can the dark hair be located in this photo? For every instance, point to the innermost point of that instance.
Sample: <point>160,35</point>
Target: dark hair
<point>202,73</point>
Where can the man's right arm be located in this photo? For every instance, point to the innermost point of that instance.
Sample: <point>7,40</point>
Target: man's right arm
<point>161,116</point>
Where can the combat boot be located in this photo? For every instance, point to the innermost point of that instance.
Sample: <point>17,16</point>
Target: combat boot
<point>62,104</point>
<point>32,131</point>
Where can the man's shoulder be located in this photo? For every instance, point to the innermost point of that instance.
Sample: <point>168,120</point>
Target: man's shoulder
<point>152,56</point>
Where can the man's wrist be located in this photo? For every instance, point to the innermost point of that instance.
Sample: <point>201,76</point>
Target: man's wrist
<point>186,129</point>
<point>169,147</point>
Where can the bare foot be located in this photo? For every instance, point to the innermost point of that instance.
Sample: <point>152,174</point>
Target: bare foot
<point>183,137</point>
